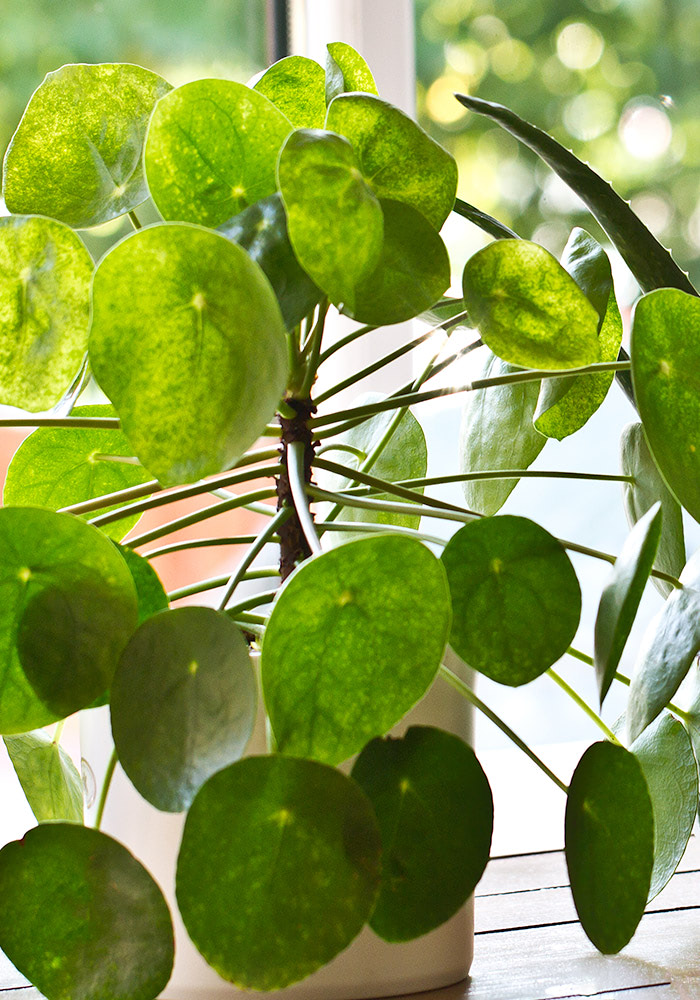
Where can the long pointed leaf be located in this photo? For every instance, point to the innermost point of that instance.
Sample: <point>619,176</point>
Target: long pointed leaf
<point>650,262</point>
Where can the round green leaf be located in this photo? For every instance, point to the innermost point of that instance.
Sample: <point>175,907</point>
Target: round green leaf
<point>58,466</point>
<point>76,155</point>
<point>609,834</point>
<point>412,272</point>
<point>182,703</point>
<point>352,645</point>
<point>297,86</point>
<point>666,755</point>
<point>81,918</point>
<point>45,274</point>
<point>346,70</point>
<point>398,158</point>
<point>620,598</point>
<point>150,593</point>
<point>666,379</point>
<point>429,868</point>
<point>666,651</point>
<point>515,598</point>
<point>69,602</point>
<point>48,777</point>
<point>211,150</point>
<point>497,433</point>
<point>335,220</point>
<point>566,404</point>
<point>188,342</point>
<point>261,230</point>
<point>528,310</point>
<point>648,488</point>
<point>273,896</point>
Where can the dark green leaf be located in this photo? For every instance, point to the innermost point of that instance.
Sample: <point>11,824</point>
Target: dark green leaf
<point>45,274</point>
<point>211,150</point>
<point>335,220</point>
<point>620,598</point>
<point>666,755</point>
<point>48,777</point>
<point>435,812</point>
<point>405,456</point>
<point>515,598</point>
<point>566,404</point>
<point>666,652</point>
<point>650,262</point>
<point>76,155</point>
<point>56,562</point>
<point>528,310</point>
<point>271,898</point>
<point>497,433</point>
<point>648,488</point>
<point>81,918</point>
<point>609,844</point>
<point>352,645</point>
<point>193,664</point>
<point>412,272</point>
<point>188,343</point>
<point>346,70</point>
<point>399,160</point>
<point>666,378</point>
<point>150,594</point>
<point>59,466</point>
<point>297,86</point>
<point>261,229</point>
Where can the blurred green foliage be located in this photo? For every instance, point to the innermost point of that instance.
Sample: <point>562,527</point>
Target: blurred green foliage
<point>614,80</point>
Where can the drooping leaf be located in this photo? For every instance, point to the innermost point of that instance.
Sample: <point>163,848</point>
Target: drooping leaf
<point>346,70</point>
<point>515,598</point>
<point>77,153</point>
<point>666,378</point>
<point>81,918</point>
<point>45,273</point>
<point>261,229</point>
<point>497,434</point>
<point>335,220</point>
<point>430,867</point>
<point>58,466</point>
<point>565,405</point>
<point>297,86</point>
<point>528,310</point>
<point>188,342</point>
<point>609,834</point>
<point>150,593</point>
<point>68,604</point>
<point>666,652</point>
<point>399,160</point>
<point>193,664</point>
<point>405,456</point>
<point>666,755</point>
<point>352,645</point>
<point>211,150</point>
<point>650,262</point>
<point>412,272</point>
<point>272,897</point>
<point>48,777</point>
<point>620,598</point>
<point>648,488</point>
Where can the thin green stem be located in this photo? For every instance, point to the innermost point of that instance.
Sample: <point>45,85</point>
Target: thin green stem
<point>297,485</point>
<point>341,447</point>
<point>585,708</point>
<point>214,582</point>
<point>368,527</point>
<point>344,341</point>
<point>313,351</point>
<point>280,517</point>
<point>58,731</point>
<point>578,655</point>
<point>199,543</point>
<point>103,423</point>
<point>107,781</point>
<point>459,685</point>
<point>244,500</point>
<point>264,597</point>
<point>412,509</point>
<point>486,222</point>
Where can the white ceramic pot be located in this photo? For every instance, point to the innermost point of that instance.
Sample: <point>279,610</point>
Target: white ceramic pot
<point>369,967</point>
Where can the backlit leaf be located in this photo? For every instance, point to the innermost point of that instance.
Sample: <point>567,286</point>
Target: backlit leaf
<point>297,86</point>
<point>48,777</point>
<point>346,70</point>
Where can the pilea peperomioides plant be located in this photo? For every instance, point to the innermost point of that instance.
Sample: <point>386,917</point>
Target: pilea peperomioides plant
<point>205,334</point>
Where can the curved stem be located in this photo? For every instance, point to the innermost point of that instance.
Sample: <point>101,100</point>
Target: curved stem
<point>344,341</point>
<point>214,582</point>
<point>244,500</point>
<point>199,543</point>
<point>295,469</point>
<point>264,536</point>
<point>412,509</point>
<point>104,423</point>
<point>340,446</point>
<point>107,781</point>
<point>492,226</point>
<point>575,697</point>
<point>459,685</point>
<point>367,527</point>
<point>264,597</point>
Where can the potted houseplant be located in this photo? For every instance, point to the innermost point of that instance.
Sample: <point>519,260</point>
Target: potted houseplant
<point>205,331</point>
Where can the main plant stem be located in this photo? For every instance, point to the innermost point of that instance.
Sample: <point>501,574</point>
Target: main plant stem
<point>294,546</point>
